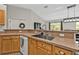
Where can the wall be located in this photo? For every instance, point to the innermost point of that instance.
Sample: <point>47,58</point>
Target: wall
<point>2,27</point>
<point>69,26</point>
<point>17,15</point>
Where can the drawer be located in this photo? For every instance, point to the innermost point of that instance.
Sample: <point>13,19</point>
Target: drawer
<point>6,37</point>
<point>15,37</point>
<point>10,37</point>
<point>61,51</point>
<point>41,51</point>
<point>44,45</point>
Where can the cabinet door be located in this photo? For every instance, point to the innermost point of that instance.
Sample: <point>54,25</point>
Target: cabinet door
<point>31,46</point>
<point>61,51</point>
<point>41,51</point>
<point>0,44</point>
<point>44,45</point>
<point>15,44</point>
<point>2,16</point>
<point>6,45</point>
<point>44,48</point>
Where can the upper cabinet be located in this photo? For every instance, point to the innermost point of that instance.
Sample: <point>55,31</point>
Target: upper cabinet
<point>2,14</point>
<point>2,17</point>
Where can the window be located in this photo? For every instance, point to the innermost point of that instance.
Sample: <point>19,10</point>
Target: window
<point>55,26</point>
<point>77,25</point>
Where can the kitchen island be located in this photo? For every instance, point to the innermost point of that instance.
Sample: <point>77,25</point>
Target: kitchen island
<point>57,46</point>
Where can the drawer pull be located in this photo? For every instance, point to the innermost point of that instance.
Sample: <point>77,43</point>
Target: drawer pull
<point>61,53</point>
<point>43,45</point>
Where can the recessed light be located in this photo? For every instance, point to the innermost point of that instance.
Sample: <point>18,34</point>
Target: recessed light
<point>46,6</point>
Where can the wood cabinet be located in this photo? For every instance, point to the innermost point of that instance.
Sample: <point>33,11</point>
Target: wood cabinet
<point>6,45</point>
<point>2,17</point>
<point>41,51</point>
<point>32,47</point>
<point>0,44</point>
<point>15,43</point>
<point>9,43</point>
<point>43,48</point>
<point>37,47</point>
<point>61,51</point>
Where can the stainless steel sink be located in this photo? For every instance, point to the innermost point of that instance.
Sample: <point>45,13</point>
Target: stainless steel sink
<point>44,37</point>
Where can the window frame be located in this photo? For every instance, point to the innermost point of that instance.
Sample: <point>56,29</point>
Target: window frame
<point>76,25</point>
<point>61,25</point>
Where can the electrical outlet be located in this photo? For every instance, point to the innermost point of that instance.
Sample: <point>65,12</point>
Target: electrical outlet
<point>61,34</point>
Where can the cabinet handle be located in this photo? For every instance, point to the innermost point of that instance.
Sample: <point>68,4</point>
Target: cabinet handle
<point>43,45</point>
<point>61,53</point>
<point>56,54</point>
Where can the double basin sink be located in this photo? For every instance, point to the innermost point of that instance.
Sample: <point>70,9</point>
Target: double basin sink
<point>44,37</point>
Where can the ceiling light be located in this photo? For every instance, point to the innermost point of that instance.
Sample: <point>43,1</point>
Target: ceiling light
<point>71,6</point>
<point>46,6</point>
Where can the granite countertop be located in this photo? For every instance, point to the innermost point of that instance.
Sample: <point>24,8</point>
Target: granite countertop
<point>59,41</point>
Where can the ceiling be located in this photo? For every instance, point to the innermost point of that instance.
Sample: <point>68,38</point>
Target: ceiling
<point>45,13</point>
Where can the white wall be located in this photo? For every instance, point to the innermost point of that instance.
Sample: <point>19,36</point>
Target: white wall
<point>17,15</point>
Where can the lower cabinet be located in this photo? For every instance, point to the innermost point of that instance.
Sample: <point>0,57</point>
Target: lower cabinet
<point>9,44</point>
<point>37,47</point>
<point>43,48</point>
<point>15,43</point>
<point>61,51</point>
<point>32,47</point>
<point>0,45</point>
<point>6,45</point>
<point>41,51</point>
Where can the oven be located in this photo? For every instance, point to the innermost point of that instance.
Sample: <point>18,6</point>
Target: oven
<point>77,37</point>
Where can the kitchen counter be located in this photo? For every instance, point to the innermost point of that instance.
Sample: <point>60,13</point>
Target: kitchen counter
<point>40,30</point>
<point>59,41</point>
<point>6,33</point>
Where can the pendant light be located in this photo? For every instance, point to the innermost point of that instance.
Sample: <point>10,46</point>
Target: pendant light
<point>69,19</point>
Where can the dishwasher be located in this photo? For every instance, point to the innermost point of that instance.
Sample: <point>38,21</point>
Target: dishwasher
<point>24,45</point>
